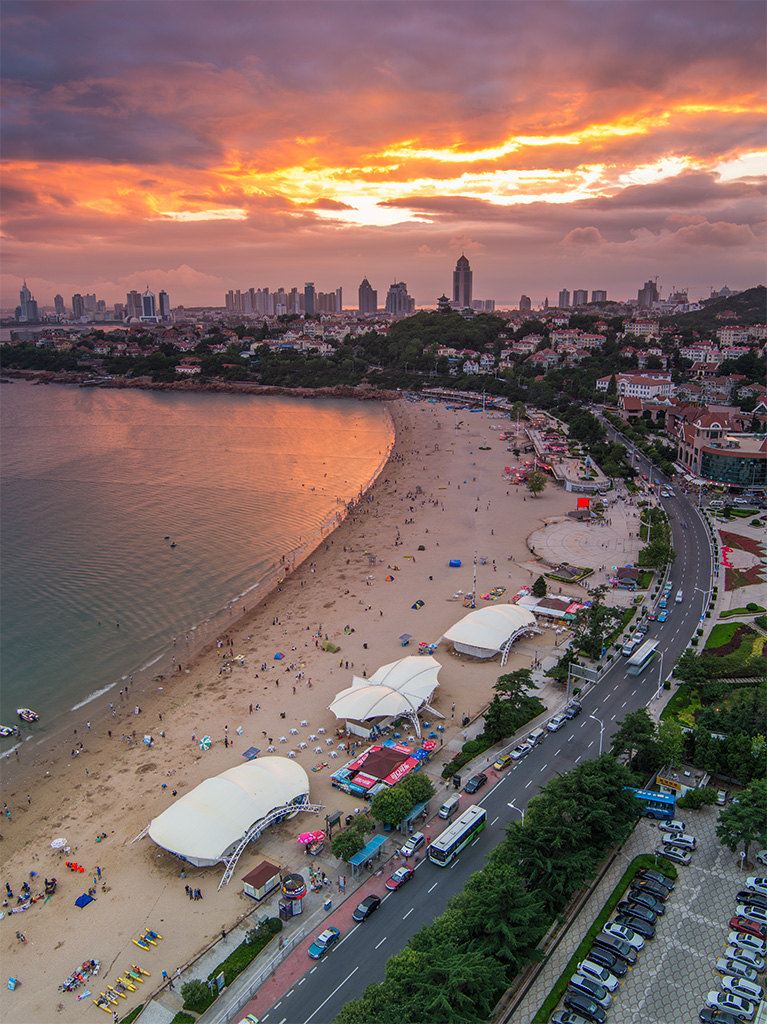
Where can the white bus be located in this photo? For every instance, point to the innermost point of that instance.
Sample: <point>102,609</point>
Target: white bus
<point>448,845</point>
<point>639,661</point>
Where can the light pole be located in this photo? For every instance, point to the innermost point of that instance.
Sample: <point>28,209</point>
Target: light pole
<point>519,810</point>
<point>660,677</point>
<point>601,731</point>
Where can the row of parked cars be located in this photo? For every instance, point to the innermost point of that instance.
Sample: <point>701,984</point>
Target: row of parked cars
<point>676,845</point>
<point>591,990</point>
<point>743,960</point>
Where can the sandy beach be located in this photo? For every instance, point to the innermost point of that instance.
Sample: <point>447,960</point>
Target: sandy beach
<point>442,491</point>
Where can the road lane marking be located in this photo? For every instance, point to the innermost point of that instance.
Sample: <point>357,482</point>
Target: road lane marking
<point>569,738</point>
<point>545,767</point>
<point>347,936</point>
<point>313,970</point>
<point>328,998</point>
<point>276,1005</point>
<point>528,783</point>
<point>577,758</point>
<point>409,913</point>
<point>283,1020</point>
<point>623,705</point>
<point>302,981</point>
<point>433,887</point>
<point>289,993</point>
<point>495,819</point>
<point>612,717</point>
<point>590,745</point>
<point>381,942</point>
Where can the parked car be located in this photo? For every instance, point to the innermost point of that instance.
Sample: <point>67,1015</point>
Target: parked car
<point>755,899</point>
<point>503,762</point>
<point>617,946</point>
<point>736,969</point>
<point>398,879</point>
<point>671,853</point>
<point>681,840</point>
<point>627,908</point>
<point>623,931</point>
<point>745,924</point>
<point>590,987</point>
<point>663,616</point>
<point>743,1009</point>
<point>675,825</point>
<point>585,1006</point>
<point>721,797</point>
<point>646,885</point>
<point>368,906</point>
<point>709,1016</point>
<point>324,941</point>
<point>643,629</point>
<point>761,858</point>
<point>740,987</point>
<point>646,899</point>
<point>752,912</point>
<point>413,845</point>
<point>611,961</point>
<point>743,955</point>
<point>573,709</point>
<point>652,616</point>
<point>568,1017</point>
<point>475,782</point>
<point>757,884</point>
<point>556,723</point>
<point>600,974</point>
<point>747,940</point>
<point>658,877</point>
<point>521,750</point>
<point>637,924</point>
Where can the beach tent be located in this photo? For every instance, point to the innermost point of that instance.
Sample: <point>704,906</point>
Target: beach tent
<point>485,632</point>
<point>83,901</point>
<point>418,604</point>
<point>251,753</point>
<point>400,689</point>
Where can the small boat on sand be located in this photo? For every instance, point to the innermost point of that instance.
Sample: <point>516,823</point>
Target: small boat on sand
<point>9,730</point>
<point>27,714</point>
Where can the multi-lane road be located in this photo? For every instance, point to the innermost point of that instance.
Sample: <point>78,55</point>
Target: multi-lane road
<point>360,958</point>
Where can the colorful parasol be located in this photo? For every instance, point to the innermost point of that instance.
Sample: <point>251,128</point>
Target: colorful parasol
<point>206,743</point>
<point>58,844</point>
<point>307,838</point>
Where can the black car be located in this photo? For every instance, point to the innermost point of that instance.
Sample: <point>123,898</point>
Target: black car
<point>645,885</point>
<point>586,1007</point>
<point>643,928</point>
<point>657,877</point>
<point>644,899</point>
<point>709,1016</point>
<point>573,709</point>
<point>568,1017</point>
<point>368,906</point>
<point>608,960</point>
<point>629,909</point>
<point>752,898</point>
<point>475,782</point>
<point>617,947</point>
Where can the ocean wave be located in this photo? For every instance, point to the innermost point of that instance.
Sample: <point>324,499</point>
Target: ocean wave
<point>93,696</point>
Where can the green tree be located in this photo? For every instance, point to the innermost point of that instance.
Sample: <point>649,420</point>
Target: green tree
<point>449,985</point>
<point>418,787</point>
<point>745,822</point>
<point>515,686</point>
<point>345,844</point>
<point>196,995</point>
<point>538,588</point>
<point>669,745</point>
<point>592,626</point>
<point>391,806</point>
<point>536,483</point>
<point>635,735</point>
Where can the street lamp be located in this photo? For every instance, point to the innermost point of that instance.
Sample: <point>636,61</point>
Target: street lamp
<point>519,810</point>
<point>601,731</point>
<point>660,677</point>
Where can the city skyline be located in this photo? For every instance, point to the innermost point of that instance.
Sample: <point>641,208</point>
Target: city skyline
<point>631,144</point>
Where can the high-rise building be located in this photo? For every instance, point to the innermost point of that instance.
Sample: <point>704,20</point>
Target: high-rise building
<point>164,305</point>
<point>580,297</point>
<point>119,311</point>
<point>58,305</point>
<point>525,305</point>
<point>294,301</point>
<point>368,298</point>
<point>599,295</point>
<point>148,306</point>
<point>462,281</point>
<point>483,305</point>
<point>89,301</point>
<point>647,296</point>
<point>132,304</point>
<point>546,302</point>
<point>398,302</point>
<point>78,306</point>
<point>339,300</point>
<point>309,298</point>
<point>25,297</point>
<point>564,299</point>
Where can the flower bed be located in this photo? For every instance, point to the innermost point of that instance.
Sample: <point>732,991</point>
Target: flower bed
<point>735,540</point>
<point>734,579</point>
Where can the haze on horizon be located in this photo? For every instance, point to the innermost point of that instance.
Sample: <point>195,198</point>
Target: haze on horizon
<point>203,146</point>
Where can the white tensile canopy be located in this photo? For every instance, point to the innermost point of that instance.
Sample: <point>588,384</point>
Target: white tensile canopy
<point>206,824</point>
<point>401,688</point>
<point>485,632</point>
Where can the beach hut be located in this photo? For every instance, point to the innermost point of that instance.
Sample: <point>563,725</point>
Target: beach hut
<point>263,879</point>
<point>485,632</point>
<point>398,690</point>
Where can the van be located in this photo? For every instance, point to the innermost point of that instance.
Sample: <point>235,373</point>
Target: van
<point>449,807</point>
<point>535,737</point>
<point>628,647</point>
<point>679,597</point>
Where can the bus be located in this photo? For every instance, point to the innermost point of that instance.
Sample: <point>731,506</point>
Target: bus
<point>641,658</point>
<point>449,844</point>
<point>655,804</point>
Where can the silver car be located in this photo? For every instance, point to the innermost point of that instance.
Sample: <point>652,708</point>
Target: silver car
<point>744,1009</point>
<point>736,969</point>
<point>743,955</point>
<point>741,987</point>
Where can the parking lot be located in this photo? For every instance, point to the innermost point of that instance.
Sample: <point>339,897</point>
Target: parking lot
<point>676,970</point>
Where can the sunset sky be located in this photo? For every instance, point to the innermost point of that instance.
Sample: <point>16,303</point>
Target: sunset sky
<point>203,146</point>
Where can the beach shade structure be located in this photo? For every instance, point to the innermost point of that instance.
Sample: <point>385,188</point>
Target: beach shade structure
<point>83,901</point>
<point>306,838</point>
<point>216,820</point>
<point>206,743</point>
<point>400,689</point>
<point>58,844</point>
<point>418,604</point>
<point>251,753</point>
<point>455,563</point>
<point>279,656</point>
<point>404,639</point>
<point>485,632</point>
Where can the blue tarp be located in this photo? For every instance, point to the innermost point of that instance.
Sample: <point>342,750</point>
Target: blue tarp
<point>367,851</point>
<point>252,752</point>
<point>83,901</point>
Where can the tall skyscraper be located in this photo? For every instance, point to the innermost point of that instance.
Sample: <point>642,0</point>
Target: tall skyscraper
<point>648,295</point>
<point>164,305</point>
<point>525,305</point>
<point>78,306</point>
<point>132,304</point>
<point>25,297</point>
<point>368,297</point>
<point>119,311</point>
<point>580,297</point>
<point>309,298</point>
<point>148,305</point>
<point>462,279</point>
<point>564,299</point>
<point>398,302</point>
<point>599,295</point>
<point>90,302</point>
<point>58,305</point>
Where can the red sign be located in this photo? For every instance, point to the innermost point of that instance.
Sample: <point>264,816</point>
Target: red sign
<point>400,748</point>
<point>363,780</point>
<point>358,762</point>
<point>401,771</point>
<point>583,502</point>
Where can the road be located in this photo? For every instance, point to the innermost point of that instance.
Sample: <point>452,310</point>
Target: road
<point>360,958</point>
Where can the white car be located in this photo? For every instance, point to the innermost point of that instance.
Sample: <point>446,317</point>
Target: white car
<point>622,931</point>
<point>741,955</point>
<point>556,723</point>
<point>741,1008</point>
<point>672,826</point>
<point>752,913</point>
<point>735,969</point>
<point>414,843</point>
<point>599,974</point>
<point>745,941</point>
<point>741,987</point>
<point>521,750</point>
<point>761,857</point>
<point>681,839</point>
<point>757,884</point>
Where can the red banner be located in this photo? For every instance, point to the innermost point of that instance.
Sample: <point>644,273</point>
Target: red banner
<point>401,771</point>
<point>363,780</point>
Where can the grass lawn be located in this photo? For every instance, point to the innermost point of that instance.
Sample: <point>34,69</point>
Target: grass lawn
<point>133,1014</point>
<point>644,860</point>
<point>754,610</point>
<point>645,579</point>
<point>721,634</point>
<point>683,706</point>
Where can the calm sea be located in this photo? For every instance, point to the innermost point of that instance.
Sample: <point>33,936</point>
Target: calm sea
<point>92,484</point>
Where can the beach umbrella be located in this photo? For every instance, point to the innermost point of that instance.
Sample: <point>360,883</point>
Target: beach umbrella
<point>206,743</point>
<point>279,656</point>
<point>58,844</point>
